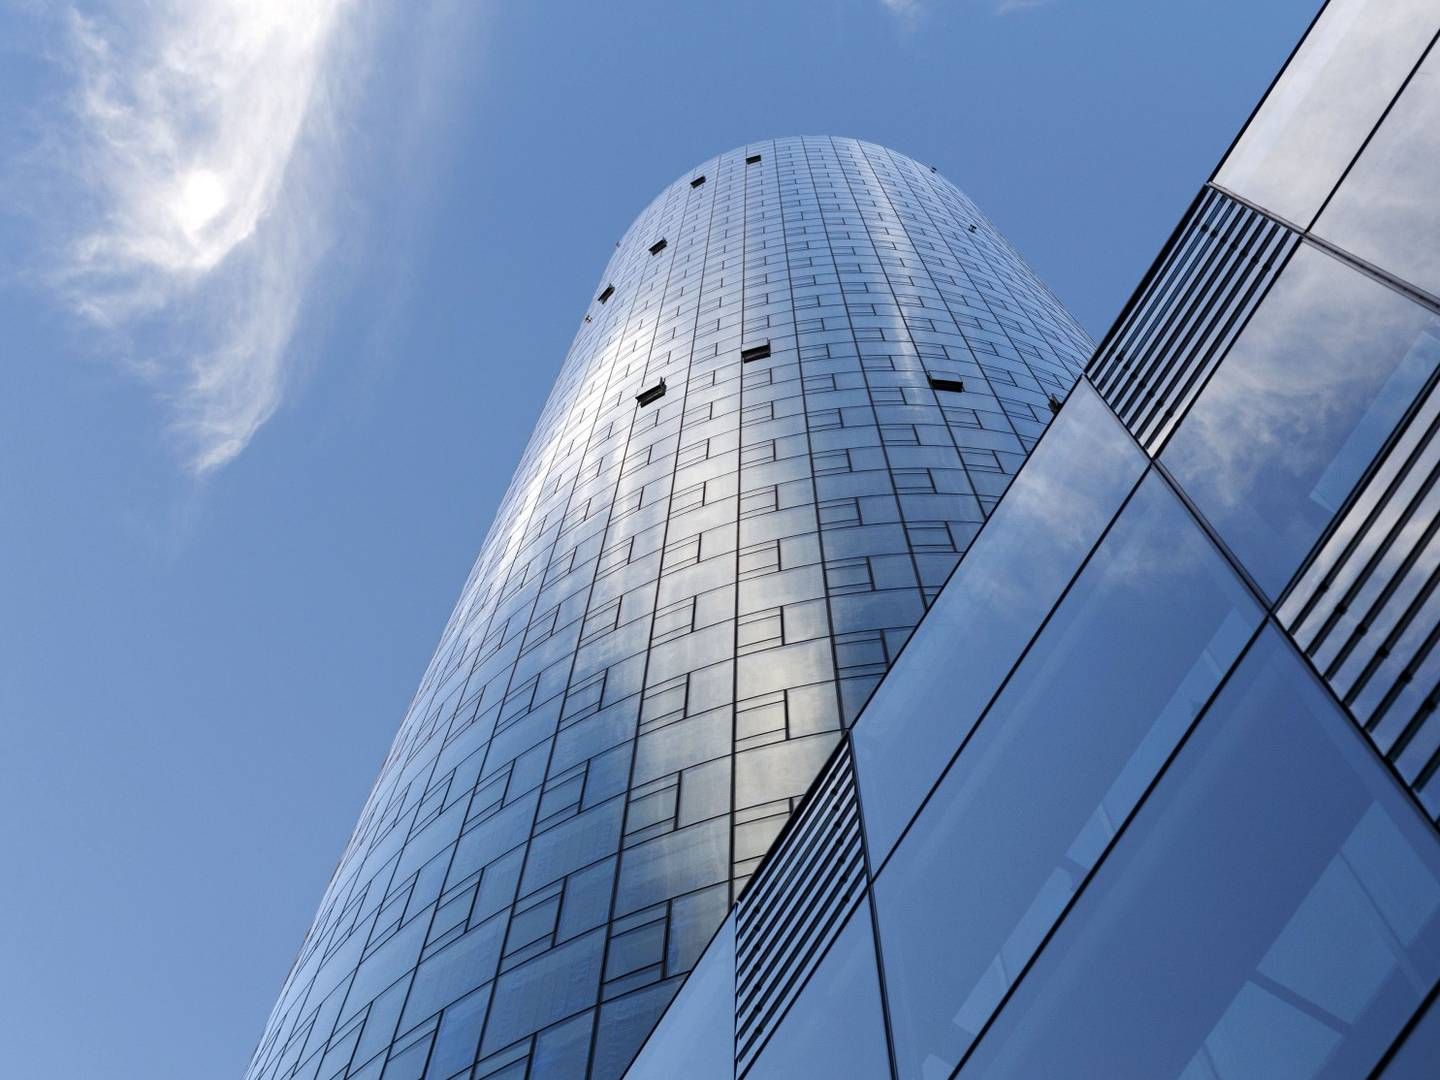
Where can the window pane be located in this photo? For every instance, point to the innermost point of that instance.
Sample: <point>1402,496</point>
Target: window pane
<point>1273,911</point>
<point>1419,1055</point>
<point>1005,585</point>
<point>1386,211</point>
<point>696,1036</point>
<point>1298,408</point>
<point>836,1026</point>
<point>1326,102</point>
<point>1058,762</point>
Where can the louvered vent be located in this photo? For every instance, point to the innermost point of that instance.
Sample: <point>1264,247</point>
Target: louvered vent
<point>796,906</point>
<point>1189,310</point>
<point>1366,609</point>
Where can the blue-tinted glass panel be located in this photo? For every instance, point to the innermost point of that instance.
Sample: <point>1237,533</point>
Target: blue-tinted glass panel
<point>1058,762</point>
<point>696,1036</point>
<point>1272,911</point>
<point>836,1026</point>
<point>1418,1057</point>
<point>1330,96</point>
<point>1386,211</point>
<point>1297,410</point>
<point>1006,584</point>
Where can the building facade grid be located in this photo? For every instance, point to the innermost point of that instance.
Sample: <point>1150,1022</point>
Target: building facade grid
<point>808,374</point>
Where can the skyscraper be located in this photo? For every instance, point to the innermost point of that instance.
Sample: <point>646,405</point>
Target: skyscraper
<point>806,377</point>
<point>1152,789</point>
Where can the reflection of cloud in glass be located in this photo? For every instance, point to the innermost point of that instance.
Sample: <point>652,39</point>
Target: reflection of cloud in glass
<point>1295,412</point>
<point>1325,104</point>
<point>1386,211</point>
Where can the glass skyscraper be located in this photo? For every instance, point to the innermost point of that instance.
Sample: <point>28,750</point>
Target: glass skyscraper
<point>808,374</point>
<point>1152,789</point>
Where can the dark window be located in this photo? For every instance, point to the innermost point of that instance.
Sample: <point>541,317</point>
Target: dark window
<point>649,394</point>
<point>756,352</point>
<point>658,246</point>
<point>752,159</point>
<point>697,181</point>
<point>955,385</point>
<point>609,292</point>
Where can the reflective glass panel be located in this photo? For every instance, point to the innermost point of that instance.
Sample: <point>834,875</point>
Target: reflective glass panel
<point>1386,211</point>
<point>1006,584</point>
<point>836,1026</point>
<point>1419,1055</point>
<point>1058,762</point>
<point>1296,411</point>
<point>696,1036</point>
<point>1273,910</point>
<point>1326,102</point>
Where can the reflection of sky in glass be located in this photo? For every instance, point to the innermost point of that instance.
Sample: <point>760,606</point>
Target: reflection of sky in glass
<point>1387,211</point>
<point>1057,764</point>
<point>1325,104</point>
<point>1290,893</point>
<point>1297,409</point>
<point>1003,588</point>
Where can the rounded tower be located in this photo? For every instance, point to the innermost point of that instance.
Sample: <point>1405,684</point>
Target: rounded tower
<point>808,372</point>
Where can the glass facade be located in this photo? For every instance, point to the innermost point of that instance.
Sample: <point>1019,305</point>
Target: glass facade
<point>1151,791</point>
<point>810,371</point>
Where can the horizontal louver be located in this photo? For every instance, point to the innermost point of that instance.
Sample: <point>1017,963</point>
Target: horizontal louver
<point>1207,281</point>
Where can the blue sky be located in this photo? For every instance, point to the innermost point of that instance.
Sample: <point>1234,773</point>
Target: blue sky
<point>284,283</point>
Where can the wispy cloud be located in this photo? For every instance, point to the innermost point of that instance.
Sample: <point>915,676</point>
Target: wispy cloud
<point>1010,7</point>
<point>909,11</point>
<point>200,146</point>
<point>905,9</point>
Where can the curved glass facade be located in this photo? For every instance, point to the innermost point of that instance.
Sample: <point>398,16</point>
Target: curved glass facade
<point>809,372</point>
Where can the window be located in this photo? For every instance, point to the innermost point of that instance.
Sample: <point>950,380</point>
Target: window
<point>1095,707</point>
<point>651,393</point>
<point>955,386</point>
<point>755,352</point>
<point>609,292</point>
<point>658,246</point>
<point>1308,393</point>
<point>752,159</point>
<point>1292,892</point>
<point>697,181</point>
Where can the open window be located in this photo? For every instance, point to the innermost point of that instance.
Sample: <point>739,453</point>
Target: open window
<point>955,386</point>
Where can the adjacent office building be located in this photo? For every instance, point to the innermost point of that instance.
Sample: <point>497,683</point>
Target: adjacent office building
<point>808,374</point>
<point>1152,789</point>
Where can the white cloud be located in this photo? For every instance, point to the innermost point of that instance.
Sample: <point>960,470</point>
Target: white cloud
<point>201,140</point>
<point>1009,7</point>
<point>909,11</point>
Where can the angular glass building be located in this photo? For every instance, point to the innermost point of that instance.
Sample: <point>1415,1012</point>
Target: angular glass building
<point>1152,789</point>
<point>807,375</point>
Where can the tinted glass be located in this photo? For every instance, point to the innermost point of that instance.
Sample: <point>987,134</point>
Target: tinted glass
<point>1386,211</point>
<point>696,1036</point>
<point>1007,583</point>
<point>1058,762</point>
<point>836,1026</point>
<point>1297,410</point>
<point>1419,1055</point>
<point>1272,911</point>
<point>1330,96</point>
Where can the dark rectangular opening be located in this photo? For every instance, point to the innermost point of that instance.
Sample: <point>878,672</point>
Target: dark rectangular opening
<point>954,385</point>
<point>609,292</point>
<point>649,394</point>
<point>752,159</point>
<point>697,181</point>
<point>657,247</point>
<point>755,352</point>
